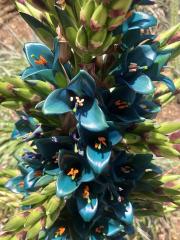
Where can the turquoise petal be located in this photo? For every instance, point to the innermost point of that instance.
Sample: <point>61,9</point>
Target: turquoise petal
<point>65,185</point>
<point>87,210</point>
<point>168,82</point>
<point>44,180</point>
<point>56,103</point>
<point>34,50</point>
<point>97,160</point>
<point>114,137</point>
<point>94,119</point>
<point>141,84</point>
<point>44,75</point>
<point>13,184</point>
<point>141,20</point>
<point>124,212</point>
<point>83,84</point>
<point>87,175</point>
<point>143,55</point>
<point>30,180</point>
<point>129,115</point>
<point>113,227</point>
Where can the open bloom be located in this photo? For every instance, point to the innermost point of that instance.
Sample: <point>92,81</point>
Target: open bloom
<point>79,98</point>
<point>98,146</point>
<point>125,106</point>
<point>74,170</point>
<point>44,64</point>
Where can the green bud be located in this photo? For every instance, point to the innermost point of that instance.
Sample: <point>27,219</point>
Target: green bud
<point>34,231</point>
<point>6,236</point>
<point>34,198</point>
<point>98,38</point>
<point>99,18</point>
<point>51,218</point>
<point>154,137</point>
<point>71,33</point>
<point>82,39</point>
<point>164,37</point>
<point>168,127</point>
<point>34,216</point>
<point>50,189</point>
<point>86,12</point>
<point>54,204</point>
<point>16,222</point>
<point>14,105</point>
<point>130,138</point>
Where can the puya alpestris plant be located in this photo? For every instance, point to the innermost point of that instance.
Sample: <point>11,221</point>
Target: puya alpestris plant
<point>91,166</point>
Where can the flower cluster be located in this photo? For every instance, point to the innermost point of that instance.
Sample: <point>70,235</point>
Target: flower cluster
<point>99,104</point>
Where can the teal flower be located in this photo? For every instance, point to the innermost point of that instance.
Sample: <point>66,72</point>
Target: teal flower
<point>44,64</point>
<point>78,97</point>
<point>74,170</point>
<point>88,198</point>
<point>98,146</point>
<point>124,106</point>
<point>25,127</point>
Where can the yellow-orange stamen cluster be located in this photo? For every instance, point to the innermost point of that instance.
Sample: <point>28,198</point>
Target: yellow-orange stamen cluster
<point>73,173</point>
<point>40,61</point>
<point>102,141</point>
<point>86,192</point>
<point>61,231</point>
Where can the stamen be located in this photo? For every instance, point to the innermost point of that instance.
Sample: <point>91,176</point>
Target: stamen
<point>133,67</point>
<point>21,184</point>
<point>86,193</point>
<point>73,172</point>
<point>121,104</point>
<point>60,231</point>
<point>99,229</point>
<point>102,141</point>
<point>40,61</point>
<point>38,173</point>
<point>78,102</point>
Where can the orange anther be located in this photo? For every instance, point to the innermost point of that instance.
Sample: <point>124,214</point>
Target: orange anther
<point>61,231</point>
<point>41,61</point>
<point>38,173</point>
<point>86,192</point>
<point>21,184</point>
<point>73,172</point>
<point>102,140</point>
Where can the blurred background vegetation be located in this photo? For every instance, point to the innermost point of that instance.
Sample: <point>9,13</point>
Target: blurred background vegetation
<point>14,32</point>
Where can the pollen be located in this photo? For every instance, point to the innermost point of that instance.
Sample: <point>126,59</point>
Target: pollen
<point>61,231</point>
<point>41,61</point>
<point>21,184</point>
<point>86,192</point>
<point>121,104</point>
<point>101,141</point>
<point>38,173</point>
<point>73,173</point>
